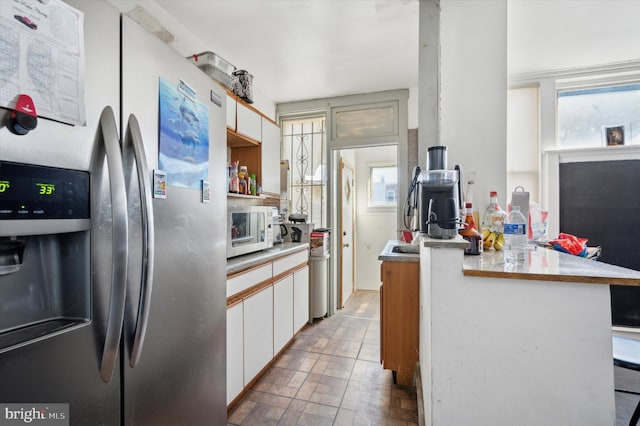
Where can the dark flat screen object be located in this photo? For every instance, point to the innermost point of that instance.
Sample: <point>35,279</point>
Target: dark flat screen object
<point>600,200</point>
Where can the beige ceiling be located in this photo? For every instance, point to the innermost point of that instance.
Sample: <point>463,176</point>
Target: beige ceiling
<point>306,49</point>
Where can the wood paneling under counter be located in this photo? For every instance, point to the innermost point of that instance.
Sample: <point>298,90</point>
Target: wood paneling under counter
<point>399,319</point>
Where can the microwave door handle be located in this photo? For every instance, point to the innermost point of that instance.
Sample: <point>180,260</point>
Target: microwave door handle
<point>134,138</point>
<point>120,243</point>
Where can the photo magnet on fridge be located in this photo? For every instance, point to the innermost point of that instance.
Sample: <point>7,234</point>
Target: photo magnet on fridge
<point>206,193</point>
<point>159,184</point>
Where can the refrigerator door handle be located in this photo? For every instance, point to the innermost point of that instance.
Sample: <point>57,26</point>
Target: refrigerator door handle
<point>133,137</point>
<point>120,243</point>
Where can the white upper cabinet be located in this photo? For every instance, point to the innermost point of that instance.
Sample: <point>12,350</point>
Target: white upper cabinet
<point>231,113</point>
<point>270,157</point>
<point>249,123</point>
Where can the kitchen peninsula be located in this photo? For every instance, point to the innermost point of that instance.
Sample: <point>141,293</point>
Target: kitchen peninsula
<point>528,346</point>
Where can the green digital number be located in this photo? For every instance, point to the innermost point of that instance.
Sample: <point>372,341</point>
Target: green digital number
<point>4,185</point>
<point>46,188</point>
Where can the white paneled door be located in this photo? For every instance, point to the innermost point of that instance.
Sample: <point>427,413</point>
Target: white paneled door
<point>347,227</point>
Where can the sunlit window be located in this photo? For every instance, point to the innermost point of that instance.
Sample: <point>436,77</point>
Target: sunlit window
<point>523,152</point>
<point>383,186</point>
<point>303,147</point>
<point>599,116</point>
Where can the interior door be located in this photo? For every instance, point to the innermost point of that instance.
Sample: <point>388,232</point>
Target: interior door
<point>347,227</point>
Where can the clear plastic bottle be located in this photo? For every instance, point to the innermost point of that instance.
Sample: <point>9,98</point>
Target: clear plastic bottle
<point>492,226</point>
<point>252,186</point>
<point>515,237</point>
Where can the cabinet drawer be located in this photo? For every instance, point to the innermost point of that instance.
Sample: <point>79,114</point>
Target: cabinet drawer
<point>248,279</point>
<point>290,262</point>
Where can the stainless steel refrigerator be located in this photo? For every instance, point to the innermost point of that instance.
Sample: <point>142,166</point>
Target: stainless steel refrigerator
<point>111,300</point>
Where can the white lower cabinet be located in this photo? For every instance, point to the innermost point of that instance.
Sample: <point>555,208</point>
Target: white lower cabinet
<point>235,351</point>
<point>300,298</point>
<point>262,324</point>
<point>258,332</point>
<point>282,313</point>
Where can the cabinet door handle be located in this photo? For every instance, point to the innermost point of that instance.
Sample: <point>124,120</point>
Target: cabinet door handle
<point>345,245</point>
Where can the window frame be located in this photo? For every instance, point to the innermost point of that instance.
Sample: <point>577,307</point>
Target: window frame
<point>387,205</point>
<point>598,88</point>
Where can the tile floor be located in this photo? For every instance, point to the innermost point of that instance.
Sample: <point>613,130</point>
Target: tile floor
<point>331,375</point>
<point>625,403</point>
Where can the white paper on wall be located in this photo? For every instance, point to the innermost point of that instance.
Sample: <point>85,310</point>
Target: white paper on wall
<point>42,55</point>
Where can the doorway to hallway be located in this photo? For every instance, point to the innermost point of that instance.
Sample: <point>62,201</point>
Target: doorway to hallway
<point>376,200</point>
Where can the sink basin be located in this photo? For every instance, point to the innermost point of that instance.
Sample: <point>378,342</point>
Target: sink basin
<point>406,248</point>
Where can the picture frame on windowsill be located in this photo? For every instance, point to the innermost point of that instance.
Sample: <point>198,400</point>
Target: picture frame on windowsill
<point>614,135</point>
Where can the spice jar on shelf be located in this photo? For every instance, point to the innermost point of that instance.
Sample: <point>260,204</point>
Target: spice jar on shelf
<point>242,181</point>
<point>233,177</point>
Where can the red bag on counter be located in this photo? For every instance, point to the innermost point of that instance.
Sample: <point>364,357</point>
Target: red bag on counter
<point>570,244</point>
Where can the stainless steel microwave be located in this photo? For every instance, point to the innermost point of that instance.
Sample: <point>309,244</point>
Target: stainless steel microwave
<point>249,229</point>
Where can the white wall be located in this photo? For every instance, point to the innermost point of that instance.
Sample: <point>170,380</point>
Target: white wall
<point>374,227</point>
<point>504,351</point>
<point>412,108</point>
<point>187,43</point>
<point>473,91</point>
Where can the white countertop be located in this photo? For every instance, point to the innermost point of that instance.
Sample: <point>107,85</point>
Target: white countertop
<point>246,261</point>
<point>549,265</point>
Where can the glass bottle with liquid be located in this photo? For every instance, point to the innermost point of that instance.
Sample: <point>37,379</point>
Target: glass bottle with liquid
<point>469,197</point>
<point>470,232</point>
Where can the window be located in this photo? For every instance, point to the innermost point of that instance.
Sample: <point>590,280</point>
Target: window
<point>584,115</point>
<point>383,186</point>
<point>366,121</point>
<point>523,140</point>
<point>303,146</point>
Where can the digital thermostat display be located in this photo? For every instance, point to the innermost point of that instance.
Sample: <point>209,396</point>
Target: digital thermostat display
<point>39,192</point>
<point>46,188</point>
